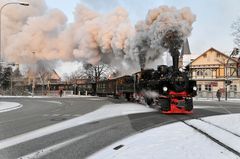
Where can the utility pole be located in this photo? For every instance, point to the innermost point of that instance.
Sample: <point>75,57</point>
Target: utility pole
<point>33,82</point>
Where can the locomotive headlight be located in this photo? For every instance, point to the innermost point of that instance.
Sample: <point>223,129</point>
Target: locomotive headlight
<point>165,89</point>
<point>194,88</point>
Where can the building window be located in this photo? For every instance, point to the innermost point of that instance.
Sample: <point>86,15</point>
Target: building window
<point>208,87</point>
<point>208,73</point>
<point>199,87</point>
<point>218,55</point>
<point>233,88</point>
<point>199,73</point>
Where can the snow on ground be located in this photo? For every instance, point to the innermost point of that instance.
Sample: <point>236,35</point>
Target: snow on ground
<point>107,111</point>
<point>178,141</point>
<point>229,122</point>
<point>8,106</point>
<point>221,135</point>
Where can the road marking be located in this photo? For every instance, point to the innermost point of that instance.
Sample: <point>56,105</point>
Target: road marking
<point>56,114</point>
<point>50,101</point>
<point>63,115</point>
<point>204,107</point>
<point>11,108</point>
<point>43,152</point>
<point>66,115</point>
<point>76,115</point>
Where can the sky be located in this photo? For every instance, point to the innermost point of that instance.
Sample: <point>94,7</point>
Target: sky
<point>212,27</point>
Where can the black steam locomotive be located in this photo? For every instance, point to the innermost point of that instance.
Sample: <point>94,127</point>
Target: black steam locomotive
<point>167,87</point>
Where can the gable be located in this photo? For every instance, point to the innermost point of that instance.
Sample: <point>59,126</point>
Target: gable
<point>54,75</point>
<point>212,57</point>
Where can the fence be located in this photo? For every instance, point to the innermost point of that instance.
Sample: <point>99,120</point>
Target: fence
<point>212,94</point>
<point>53,93</point>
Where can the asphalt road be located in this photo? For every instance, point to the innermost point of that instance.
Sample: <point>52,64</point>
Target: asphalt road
<point>81,141</point>
<point>38,113</point>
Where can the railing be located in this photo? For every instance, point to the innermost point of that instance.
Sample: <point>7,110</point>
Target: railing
<point>212,94</point>
<point>53,93</point>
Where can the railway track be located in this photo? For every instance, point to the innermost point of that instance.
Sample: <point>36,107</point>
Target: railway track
<point>209,136</point>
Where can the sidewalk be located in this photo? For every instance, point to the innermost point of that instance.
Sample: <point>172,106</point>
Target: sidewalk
<point>8,106</point>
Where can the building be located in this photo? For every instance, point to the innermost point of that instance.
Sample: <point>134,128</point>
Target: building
<point>43,77</point>
<point>185,56</point>
<point>42,82</point>
<point>211,70</point>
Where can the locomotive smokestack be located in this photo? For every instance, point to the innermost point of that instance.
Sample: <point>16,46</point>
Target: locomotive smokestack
<point>173,40</point>
<point>175,58</point>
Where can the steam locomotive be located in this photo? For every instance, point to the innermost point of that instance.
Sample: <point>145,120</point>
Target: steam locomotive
<point>167,88</point>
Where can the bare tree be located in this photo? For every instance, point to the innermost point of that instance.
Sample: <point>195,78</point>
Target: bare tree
<point>6,81</point>
<point>97,72</point>
<point>236,31</point>
<point>93,73</point>
<point>78,74</point>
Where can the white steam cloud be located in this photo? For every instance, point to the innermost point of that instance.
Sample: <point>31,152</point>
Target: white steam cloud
<point>92,37</point>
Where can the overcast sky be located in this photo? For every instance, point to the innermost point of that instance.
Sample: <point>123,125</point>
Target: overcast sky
<point>211,29</point>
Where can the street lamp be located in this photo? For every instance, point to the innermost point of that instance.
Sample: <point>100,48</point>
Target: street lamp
<point>18,3</point>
